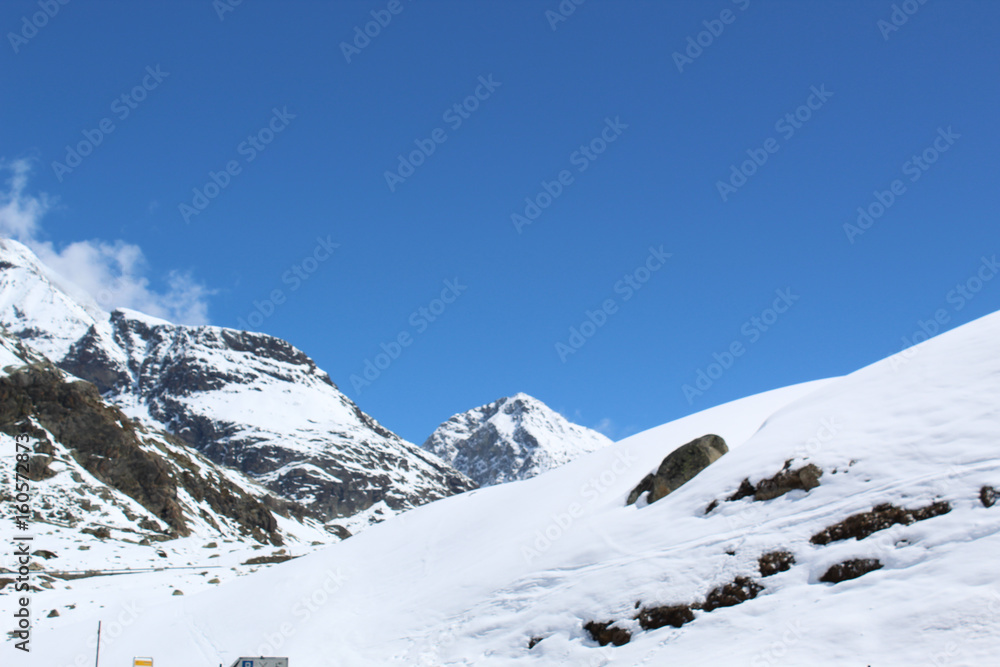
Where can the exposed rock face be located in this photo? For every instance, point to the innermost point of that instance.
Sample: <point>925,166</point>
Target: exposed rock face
<point>679,467</point>
<point>245,400</point>
<point>988,496</point>
<point>511,439</point>
<point>850,569</point>
<point>109,447</point>
<point>104,442</point>
<point>863,524</point>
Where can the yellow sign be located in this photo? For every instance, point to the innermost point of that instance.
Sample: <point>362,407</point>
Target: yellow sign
<point>142,662</point>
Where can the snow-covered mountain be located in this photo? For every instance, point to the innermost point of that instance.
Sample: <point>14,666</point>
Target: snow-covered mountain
<point>93,471</point>
<point>529,572</point>
<point>245,400</point>
<point>511,439</point>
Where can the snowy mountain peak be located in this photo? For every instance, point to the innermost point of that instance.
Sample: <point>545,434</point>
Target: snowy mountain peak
<point>513,438</point>
<point>40,307</point>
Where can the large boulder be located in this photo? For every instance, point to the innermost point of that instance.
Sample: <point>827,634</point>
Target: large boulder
<point>679,467</point>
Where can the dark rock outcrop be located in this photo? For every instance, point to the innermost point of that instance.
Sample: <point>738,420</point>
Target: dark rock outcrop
<point>88,360</point>
<point>736,592</point>
<point>679,467</point>
<point>850,569</point>
<point>103,440</point>
<point>988,496</point>
<point>805,479</point>
<point>267,560</point>
<point>651,618</point>
<point>604,633</point>
<point>774,562</point>
<point>785,480</point>
<point>880,517</point>
<point>109,446</point>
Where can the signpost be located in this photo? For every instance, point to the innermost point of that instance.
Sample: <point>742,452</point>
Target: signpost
<point>261,662</point>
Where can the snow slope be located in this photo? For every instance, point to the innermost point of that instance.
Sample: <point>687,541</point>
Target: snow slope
<point>510,439</point>
<point>468,580</point>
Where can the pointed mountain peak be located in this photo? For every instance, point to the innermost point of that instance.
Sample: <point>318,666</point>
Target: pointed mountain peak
<point>512,438</point>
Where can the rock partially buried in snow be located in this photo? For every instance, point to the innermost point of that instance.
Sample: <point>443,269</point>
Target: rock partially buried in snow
<point>861,525</point>
<point>653,618</point>
<point>604,633</point>
<point>774,562</point>
<point>850,569</point>
<point>679,467</point>
<point>805,479</point>
<point>738,591</point>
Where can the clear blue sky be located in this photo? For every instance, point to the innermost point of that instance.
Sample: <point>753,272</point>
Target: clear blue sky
<point>678,126</point>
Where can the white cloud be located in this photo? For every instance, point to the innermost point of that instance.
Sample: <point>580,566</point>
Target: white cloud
<point>19,214</point>
<point>113,273</point>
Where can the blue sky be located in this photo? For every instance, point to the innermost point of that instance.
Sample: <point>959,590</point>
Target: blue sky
<point>236,153</point>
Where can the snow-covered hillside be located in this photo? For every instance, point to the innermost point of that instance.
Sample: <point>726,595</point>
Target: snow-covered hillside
<point>92,471</point>
<point>514,573</point>
<point>245,400</point>
<point>473,579</point>
<point>511,439</point>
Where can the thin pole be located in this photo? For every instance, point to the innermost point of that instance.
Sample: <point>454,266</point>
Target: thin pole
<point>97,660</point>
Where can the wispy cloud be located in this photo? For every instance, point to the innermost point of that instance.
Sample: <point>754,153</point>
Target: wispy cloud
<point>113,273</point>
<point>606,427</point>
